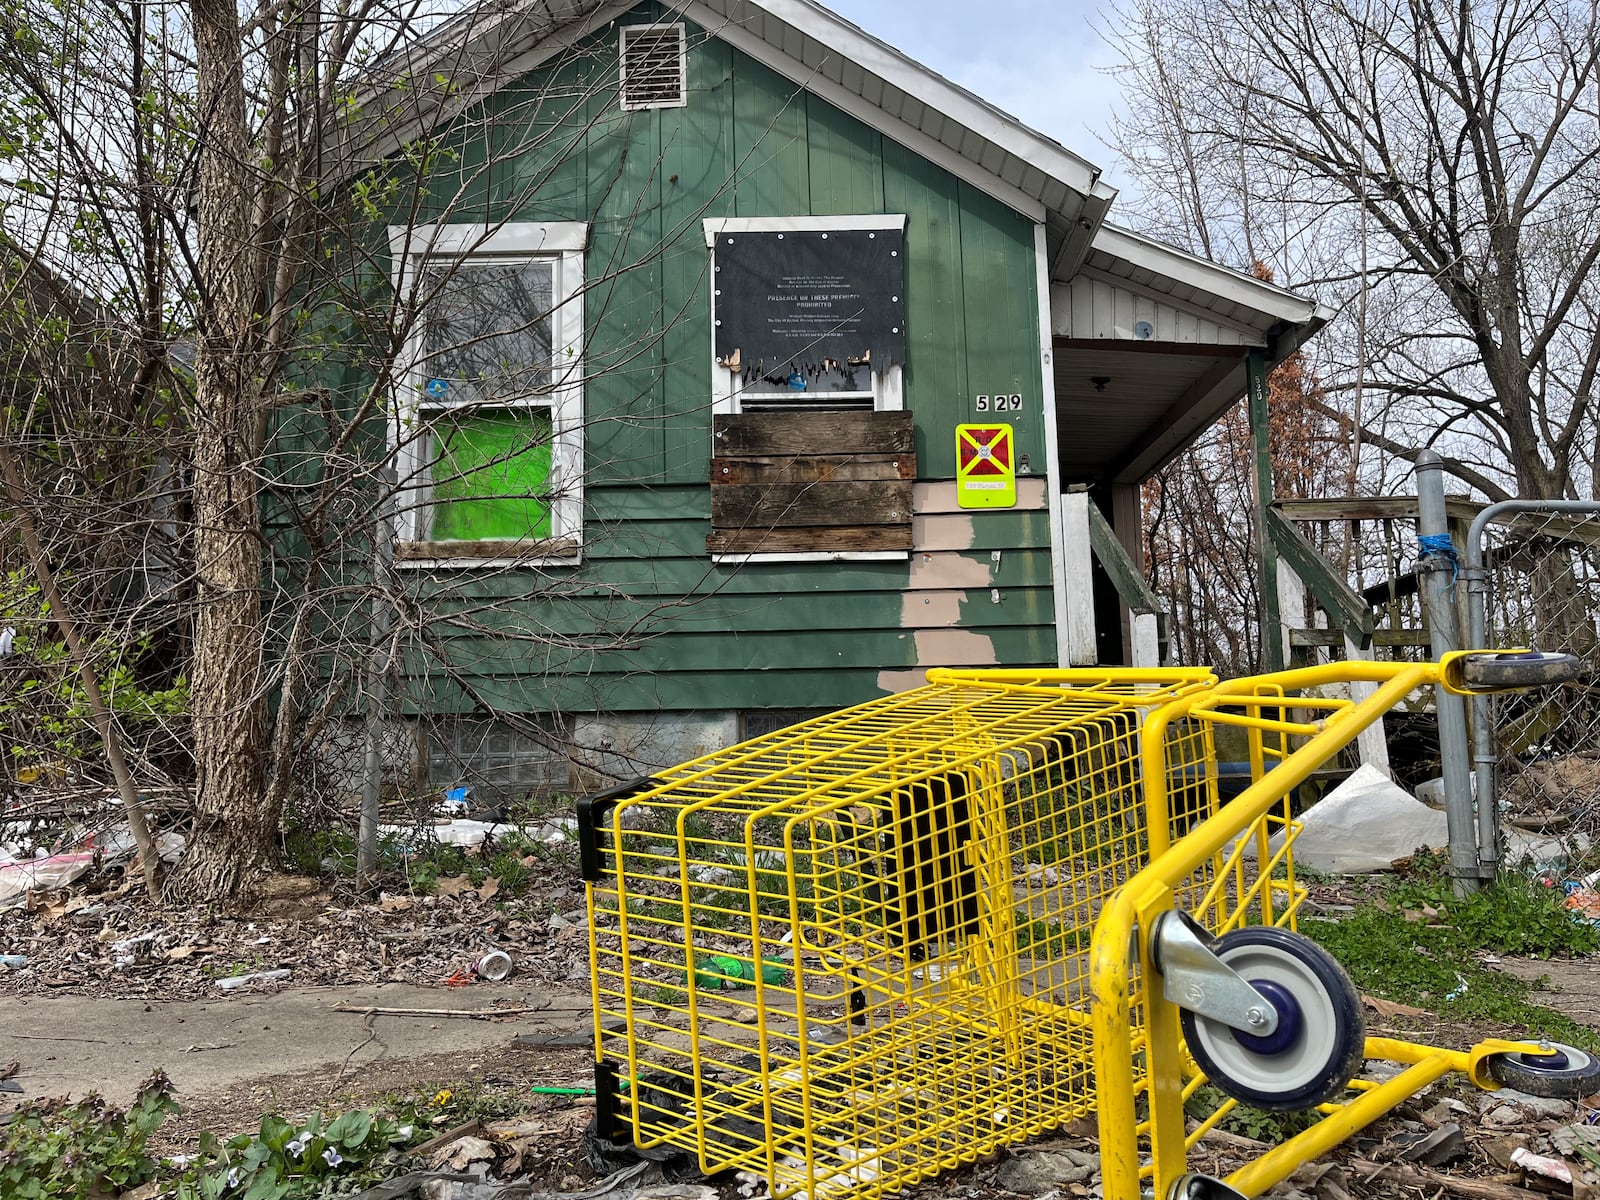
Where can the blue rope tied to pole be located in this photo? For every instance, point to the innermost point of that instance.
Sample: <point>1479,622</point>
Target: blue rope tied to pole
<point>1439,545</point>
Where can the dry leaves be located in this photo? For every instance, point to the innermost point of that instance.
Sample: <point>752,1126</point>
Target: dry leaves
<point>1389,1008</point>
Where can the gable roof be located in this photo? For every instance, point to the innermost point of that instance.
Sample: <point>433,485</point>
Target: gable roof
<point>466,59</point>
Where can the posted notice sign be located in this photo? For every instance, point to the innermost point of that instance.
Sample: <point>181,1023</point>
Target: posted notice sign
<point>986,466</point>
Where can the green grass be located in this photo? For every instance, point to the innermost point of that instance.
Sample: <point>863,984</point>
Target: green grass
<point>1394,949</point>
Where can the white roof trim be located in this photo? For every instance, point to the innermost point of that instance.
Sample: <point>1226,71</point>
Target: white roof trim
<point>1223,282</point>
<point>869,114</point>
<point>491,45</point>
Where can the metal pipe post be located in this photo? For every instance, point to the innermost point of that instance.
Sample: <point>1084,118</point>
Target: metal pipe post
<point>1437,562</point>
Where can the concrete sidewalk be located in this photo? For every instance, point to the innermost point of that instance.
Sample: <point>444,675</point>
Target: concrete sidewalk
<point>77,1044</point>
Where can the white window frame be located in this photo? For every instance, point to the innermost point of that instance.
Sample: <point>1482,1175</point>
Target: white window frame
<point>888,387</point>
<point>562,243</point>
<point>623,32</point>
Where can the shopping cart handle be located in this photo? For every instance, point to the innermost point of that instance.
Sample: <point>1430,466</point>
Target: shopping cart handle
<point>1473,671</point>
<point>1193,977</point>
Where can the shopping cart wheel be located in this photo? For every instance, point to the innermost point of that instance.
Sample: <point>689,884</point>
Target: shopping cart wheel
<point>1202,1187</point>
<point>1560,1073</point>
<point>1319,1041</point>
<point>1515,670</point>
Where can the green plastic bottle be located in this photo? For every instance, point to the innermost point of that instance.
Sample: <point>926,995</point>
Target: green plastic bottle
<point>719,971</point>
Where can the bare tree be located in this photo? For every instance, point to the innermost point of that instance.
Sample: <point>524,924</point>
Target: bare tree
<point>1435,165</point>
<point>196,170</point>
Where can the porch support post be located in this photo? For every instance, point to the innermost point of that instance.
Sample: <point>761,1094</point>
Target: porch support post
<point>1272,657</point>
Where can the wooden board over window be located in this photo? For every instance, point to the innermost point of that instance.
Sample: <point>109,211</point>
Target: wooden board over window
<point>811,482</point>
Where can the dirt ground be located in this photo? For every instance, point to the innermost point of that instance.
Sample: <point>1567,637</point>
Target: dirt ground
<point>116,988</point>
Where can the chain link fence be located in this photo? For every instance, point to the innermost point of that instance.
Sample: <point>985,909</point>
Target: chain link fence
<point>1533,574</point>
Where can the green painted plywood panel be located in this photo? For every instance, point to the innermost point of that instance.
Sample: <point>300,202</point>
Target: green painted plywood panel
<point>718,653</point>
<point>456,617</point>
<point>844,162</point>
<point>538,138</point>
<point>622,302</point>
<point>936,329</point>
<point>645,693</point>
<point>697,155</point>
<point>693,577</point>
<point>771,161</point>
<point>998,274</point>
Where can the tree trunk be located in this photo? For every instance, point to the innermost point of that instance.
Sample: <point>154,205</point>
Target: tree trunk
<point>236,825</point>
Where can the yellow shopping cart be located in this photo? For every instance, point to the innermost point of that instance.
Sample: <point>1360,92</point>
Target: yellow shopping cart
<point>869,948</point>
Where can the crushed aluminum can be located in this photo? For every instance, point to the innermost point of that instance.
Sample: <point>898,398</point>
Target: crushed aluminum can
<point>493,966</point>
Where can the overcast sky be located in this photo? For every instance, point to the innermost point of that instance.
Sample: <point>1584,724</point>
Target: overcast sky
<point>1037,59</point>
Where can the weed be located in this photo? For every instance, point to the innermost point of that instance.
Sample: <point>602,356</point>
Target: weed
<point>1431,961</point>
<point>54,1149</point>
<point>1263,1126</point>
<point>1050,939</point>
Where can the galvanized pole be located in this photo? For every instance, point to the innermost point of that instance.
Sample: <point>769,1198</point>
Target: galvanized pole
<point>1437,562</point>
<point>377,675</point>
<point>1272,655</point>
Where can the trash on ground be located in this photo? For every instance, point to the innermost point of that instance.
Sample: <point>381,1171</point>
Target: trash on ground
<point>731,971</point>
<point>462,1153</point>
<point>1542,1165</point>
<point>1365,824</point>
<point>17,879</point>
<point>493,966</point>
<point>234,982</point>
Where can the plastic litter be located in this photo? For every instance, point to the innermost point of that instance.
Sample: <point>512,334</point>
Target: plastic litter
<point>493,966</point>
<point>730,971</point>
<point>17,879</point>
<point>1542,1165</point>
<point>17,962</point>
<point>239,981</point>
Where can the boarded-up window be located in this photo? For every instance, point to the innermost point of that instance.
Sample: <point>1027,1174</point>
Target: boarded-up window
<point>488,425</point>
<point>812,482</point>
<point>653,66</point>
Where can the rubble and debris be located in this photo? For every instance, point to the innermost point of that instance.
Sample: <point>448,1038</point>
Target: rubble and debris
<point>234,982</point>
<point>1511,1107</point>
<point>1032,1173</point>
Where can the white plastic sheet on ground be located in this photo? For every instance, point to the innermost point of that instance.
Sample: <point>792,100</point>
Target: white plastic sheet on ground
<point>18,877</point>
<point>1363,825</point>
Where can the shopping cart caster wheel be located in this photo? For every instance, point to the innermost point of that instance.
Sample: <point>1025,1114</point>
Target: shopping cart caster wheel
<point>1518,669</point>
<point>1560,1073</point>
<point>1320,1039</point>
<point>1202,1187</point>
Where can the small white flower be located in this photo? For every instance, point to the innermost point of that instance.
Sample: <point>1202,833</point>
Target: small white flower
<point>298,1143</point>
<point>331,1157</point>
<point>233,1177</point>
<point>404,1131</point>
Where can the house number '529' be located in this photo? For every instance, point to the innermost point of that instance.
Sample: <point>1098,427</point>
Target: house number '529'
<point>1011,403</point>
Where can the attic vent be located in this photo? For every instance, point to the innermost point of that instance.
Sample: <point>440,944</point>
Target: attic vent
<point>653,71</point>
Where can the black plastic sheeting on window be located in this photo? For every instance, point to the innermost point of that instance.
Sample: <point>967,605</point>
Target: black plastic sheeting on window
<point>797,301</point>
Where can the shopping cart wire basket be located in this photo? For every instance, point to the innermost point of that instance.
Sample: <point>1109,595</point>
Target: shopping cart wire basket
<point>882,943</point>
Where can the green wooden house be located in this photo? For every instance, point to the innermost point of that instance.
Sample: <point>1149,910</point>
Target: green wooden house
<point>807,369</point>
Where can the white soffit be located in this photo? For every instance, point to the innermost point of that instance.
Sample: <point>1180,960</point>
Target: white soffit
<point>1168,275</point>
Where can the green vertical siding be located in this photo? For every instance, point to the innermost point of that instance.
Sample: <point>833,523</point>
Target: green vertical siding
<point>555,145</point>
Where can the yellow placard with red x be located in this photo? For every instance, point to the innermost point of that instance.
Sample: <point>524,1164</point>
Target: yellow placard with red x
<point>986,466</point>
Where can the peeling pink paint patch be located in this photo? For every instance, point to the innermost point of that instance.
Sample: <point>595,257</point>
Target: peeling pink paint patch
<point>954,648</point>
<point>931,609</point>
<point>943,570</point>
<point>901,681</point>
